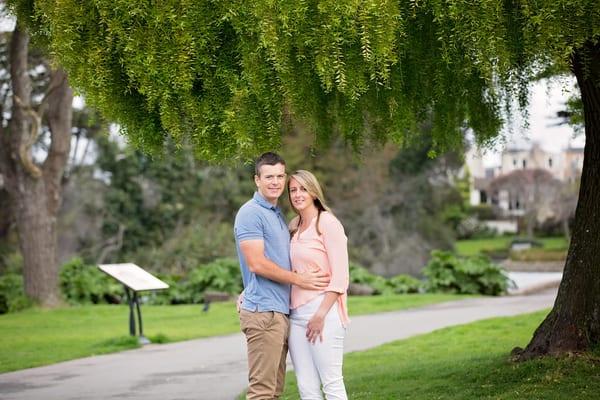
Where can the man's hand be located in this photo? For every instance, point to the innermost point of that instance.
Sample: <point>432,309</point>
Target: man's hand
<point>254,253</point>
<point>313,279</point>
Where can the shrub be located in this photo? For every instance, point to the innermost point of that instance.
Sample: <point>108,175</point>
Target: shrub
<point>447,272</point>
<point>361,275</point>
<point>398,284</point>
<point>221,275</point>
<point>175,294</point>
<point>483,212</point>
<point>12,294</point>
<point>11,263</point>
<point>85,284</point>
<point>405,284</point>
<point>472,228</point>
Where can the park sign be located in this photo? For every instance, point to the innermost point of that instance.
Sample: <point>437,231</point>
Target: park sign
<point>134,280</point>
<point>134,277</point>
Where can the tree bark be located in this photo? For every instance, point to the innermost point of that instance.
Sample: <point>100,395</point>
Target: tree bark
<point>573,325</point>
<point>35,190</point>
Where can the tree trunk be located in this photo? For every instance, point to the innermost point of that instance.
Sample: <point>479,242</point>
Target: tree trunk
<point>573,325</point>
<point>37,241</point>
<point>35,190</point>
<point>6,218</point>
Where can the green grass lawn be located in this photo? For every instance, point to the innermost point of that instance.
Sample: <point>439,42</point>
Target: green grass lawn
<point>471,247</point>
<point>466,362</point>
<point>37,337</point>
<point>360,305</point>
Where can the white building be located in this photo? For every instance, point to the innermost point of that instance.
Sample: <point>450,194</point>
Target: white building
<point>564,166</point>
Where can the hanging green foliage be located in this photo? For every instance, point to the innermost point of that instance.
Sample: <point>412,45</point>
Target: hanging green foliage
<point>221,74</point>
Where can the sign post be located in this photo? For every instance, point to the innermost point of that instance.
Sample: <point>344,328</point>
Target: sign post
<point>134,280</point>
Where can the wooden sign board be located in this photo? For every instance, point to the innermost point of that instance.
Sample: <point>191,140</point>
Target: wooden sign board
<point>133,277</point>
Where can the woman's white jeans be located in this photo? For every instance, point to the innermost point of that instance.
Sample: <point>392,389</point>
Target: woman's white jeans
<point>319,363</point>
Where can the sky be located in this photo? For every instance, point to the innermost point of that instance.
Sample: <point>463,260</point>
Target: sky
<point>7,23</point>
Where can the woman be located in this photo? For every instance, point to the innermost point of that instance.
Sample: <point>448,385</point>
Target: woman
<point>318,319</point>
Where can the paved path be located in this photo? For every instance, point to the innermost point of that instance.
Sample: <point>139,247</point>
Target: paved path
<point>215,368</point>
<point>533,282</point>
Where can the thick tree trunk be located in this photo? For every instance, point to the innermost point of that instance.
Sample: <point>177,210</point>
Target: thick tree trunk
<point>6,218</point>
<point>35,190</point>
<point>37,241</point>
<point>573,325</point>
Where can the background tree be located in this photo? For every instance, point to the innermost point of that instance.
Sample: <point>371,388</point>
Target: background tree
<point>34,187</point>
<point>394,204</point>
<point>221,74</point>
<point>81,185</point>
<point>170,212</point>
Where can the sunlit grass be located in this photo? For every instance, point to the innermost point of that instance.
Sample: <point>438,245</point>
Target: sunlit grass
<point>37,337</point>
<point>471,247</point>
<point>466,362</point>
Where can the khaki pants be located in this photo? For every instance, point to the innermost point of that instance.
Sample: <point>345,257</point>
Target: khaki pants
<point>266,339</point>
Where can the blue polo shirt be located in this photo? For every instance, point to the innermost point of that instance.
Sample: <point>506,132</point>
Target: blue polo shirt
<point>259,219</point>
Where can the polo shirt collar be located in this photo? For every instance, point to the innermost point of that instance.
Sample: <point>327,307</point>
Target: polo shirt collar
<point>263,202</point>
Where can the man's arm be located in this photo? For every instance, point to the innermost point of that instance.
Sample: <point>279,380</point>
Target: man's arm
<point>254,253</point>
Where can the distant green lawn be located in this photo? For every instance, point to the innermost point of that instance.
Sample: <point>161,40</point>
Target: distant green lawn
<point>466,362</point>
<point>38,337</point>
<point>472,247</point>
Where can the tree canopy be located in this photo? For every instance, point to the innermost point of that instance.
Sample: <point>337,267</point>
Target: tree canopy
<point>225,75</point>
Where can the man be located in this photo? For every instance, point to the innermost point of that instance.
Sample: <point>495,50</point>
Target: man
<point>263,246</point>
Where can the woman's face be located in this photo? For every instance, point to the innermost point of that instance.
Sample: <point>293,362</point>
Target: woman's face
<point>301,199</point>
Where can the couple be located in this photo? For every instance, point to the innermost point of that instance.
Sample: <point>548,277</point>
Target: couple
<point>300,270</point>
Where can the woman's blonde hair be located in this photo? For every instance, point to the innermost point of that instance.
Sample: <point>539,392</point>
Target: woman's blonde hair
<point>311,184</point>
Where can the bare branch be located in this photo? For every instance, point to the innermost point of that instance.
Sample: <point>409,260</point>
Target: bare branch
<point>28,140</point>
<point>112,244</point>
<point>54,84</point>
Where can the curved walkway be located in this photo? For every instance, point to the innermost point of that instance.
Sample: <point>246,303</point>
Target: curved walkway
<point>215,368</point>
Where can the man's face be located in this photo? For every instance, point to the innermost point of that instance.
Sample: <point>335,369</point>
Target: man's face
<point>271,182</point>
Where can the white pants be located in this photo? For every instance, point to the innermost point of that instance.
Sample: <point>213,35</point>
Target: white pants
<point>319,363</point>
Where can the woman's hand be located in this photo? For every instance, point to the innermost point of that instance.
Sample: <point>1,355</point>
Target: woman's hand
<point>315,326</point>
<point>240,300</point>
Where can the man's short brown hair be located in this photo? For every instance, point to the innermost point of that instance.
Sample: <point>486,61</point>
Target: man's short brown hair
<point>268,158</point>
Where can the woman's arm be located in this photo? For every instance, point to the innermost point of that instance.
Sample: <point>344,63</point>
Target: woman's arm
<point>315,326</point>
<point>336,247</point>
